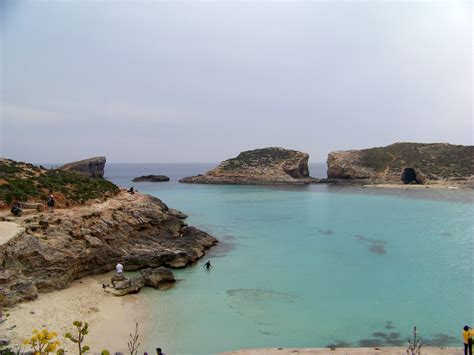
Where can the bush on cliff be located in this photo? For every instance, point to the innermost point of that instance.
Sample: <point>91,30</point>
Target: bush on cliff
<point>26,182</point>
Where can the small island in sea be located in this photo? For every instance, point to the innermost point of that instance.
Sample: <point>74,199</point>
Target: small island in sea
<point>151,178</point>
<point>274,165</point>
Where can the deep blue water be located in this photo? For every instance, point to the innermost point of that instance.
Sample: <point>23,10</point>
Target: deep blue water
<point>310,266</point>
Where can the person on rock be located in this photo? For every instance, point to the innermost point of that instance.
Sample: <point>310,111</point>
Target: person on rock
<point>208,265</point>
<point>16,210</point>
<point>119,269</point>
<point>51,202</point>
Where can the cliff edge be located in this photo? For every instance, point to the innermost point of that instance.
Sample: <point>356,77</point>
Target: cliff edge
<point>405,163</point>
<point>273,165</point>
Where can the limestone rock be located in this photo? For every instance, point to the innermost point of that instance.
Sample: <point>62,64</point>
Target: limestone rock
<point>151,178</point>
<point>93,167</point>
<point>54,249</point>
<point>260,166</point>
<point>177,214</point>
<point>433,163</point>
<point>158,277</point>
<point>127,286</point>
<point>15,287</point>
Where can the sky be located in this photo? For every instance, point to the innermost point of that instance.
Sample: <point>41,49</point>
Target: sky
<point>200,81</point>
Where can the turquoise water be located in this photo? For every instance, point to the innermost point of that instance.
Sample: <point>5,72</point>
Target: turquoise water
<point>316,265</point>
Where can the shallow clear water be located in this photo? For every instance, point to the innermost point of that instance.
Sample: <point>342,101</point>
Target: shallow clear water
<point>310,266</point>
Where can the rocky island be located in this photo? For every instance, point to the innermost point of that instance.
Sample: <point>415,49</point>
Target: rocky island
<point>151,178</point>
<point>258,167</point>
<point>404,163</point>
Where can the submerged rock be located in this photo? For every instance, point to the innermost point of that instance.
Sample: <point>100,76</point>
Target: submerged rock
<point>260,166</point>
<point>151,178</point>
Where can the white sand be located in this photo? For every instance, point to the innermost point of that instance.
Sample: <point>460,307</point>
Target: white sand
<point>9,230</point>
<point>111,319</point>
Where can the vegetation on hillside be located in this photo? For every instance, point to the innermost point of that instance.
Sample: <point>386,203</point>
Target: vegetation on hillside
<point>26,182</point>
<point>437,160</point>
<point>260,158</point>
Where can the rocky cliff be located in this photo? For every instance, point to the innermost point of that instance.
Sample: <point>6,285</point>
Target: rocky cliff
<point>92,167</point>
<point>433,163</point>
<point>259,166</point>
<point>53,249</point>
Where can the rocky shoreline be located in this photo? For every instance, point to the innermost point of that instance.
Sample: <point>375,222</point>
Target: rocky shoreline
<point>53,249</point>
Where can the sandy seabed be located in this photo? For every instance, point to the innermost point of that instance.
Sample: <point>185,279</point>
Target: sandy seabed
<point>111,319</point>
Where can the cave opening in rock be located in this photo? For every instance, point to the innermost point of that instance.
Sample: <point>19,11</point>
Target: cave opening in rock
<point>409,176</point>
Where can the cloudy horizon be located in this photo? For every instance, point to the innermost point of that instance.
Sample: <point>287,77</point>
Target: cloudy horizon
<point>202,81</point>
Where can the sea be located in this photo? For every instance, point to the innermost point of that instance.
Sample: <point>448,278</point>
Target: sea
<point>313,265</point>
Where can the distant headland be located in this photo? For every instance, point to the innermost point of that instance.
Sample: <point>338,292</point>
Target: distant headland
<point>399,164</point>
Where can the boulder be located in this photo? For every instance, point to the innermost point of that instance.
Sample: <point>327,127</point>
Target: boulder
<point>158,277</point>
<point>127,286</point>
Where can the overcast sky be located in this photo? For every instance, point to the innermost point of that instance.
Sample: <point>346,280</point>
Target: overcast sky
<point>144,81</point>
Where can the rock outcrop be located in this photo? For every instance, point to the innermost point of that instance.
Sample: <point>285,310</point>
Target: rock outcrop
<point>405,163</point>
<point>160,278</point>
<point>151,178</point>
<point>259,166</point>
<point>92,167</point>
<point>56,248</point>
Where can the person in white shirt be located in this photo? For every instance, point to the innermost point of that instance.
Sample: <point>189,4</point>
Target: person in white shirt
<point>119,269</point>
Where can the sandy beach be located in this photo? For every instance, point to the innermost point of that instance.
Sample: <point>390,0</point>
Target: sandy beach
<point>344,351</point>
<point>111,319</point>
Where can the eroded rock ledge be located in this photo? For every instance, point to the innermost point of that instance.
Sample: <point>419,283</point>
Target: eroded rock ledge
<point>56,248</point>
<point>405,163</point>
<point>260,166</point>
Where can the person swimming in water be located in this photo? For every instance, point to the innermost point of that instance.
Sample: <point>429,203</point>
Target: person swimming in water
<point>208,265</point>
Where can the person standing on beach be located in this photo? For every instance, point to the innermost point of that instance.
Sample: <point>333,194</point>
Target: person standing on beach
<point>467,334</point>
<point>159,352</point>
<point>119,269</point>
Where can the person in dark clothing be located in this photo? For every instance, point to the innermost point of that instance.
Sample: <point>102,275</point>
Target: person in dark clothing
<point>208,265</point>
<point>131,190</point>
<point>467,334</point>
<point>51,202</point>
<point>159,352</point>
<point>16,210</point>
